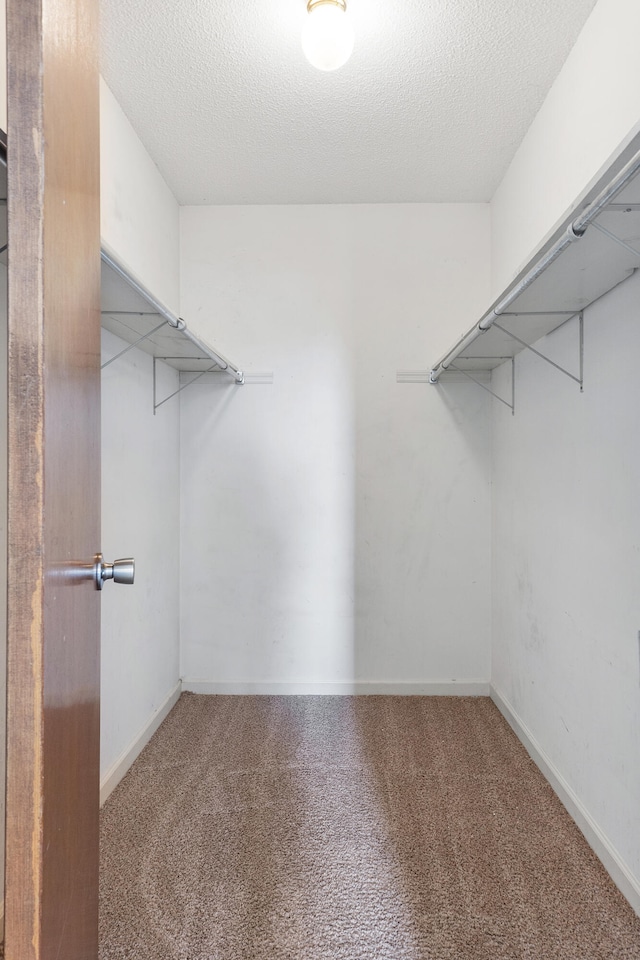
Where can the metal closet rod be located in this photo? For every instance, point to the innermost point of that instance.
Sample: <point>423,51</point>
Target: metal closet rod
<point>178,323</point>
<point>574,231</point>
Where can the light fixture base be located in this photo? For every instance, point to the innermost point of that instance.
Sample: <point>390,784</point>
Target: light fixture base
<point>312,4</point>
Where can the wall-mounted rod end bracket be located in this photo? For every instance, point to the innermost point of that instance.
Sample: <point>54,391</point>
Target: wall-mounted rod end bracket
<point>239,376</point>
<point>433,378</point>
<point>575,233</point>
<point>487,321</point>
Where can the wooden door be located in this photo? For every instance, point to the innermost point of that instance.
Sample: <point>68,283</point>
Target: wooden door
<point>54,481</point>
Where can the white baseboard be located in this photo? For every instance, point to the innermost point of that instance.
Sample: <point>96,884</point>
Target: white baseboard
<point>618,870</point>
<point>116,772</point>
<point>425,688</point>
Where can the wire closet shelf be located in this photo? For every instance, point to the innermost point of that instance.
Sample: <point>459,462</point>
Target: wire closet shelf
<point>131,312</point>
<point>593,250</point>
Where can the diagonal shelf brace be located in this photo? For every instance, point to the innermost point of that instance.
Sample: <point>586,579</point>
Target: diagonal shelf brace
<point>156,403</point>
<point>132,345</point>
<point>579,380</point>
<point>495,396</point>
<point>616,239</point>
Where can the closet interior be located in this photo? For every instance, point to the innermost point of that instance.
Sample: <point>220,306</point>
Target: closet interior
<point>413,490</point>
<point>542,334</point>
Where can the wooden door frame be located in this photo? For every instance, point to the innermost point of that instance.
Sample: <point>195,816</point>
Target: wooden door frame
<point>51,894</point>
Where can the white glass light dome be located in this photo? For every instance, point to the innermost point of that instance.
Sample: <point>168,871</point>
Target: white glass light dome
<point>327,36</point>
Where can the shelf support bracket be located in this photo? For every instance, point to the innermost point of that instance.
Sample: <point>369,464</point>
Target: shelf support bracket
<point>618,240</point>
<point>580,379</point>
<point>158,403</point>
<point>132,345</point>
<point>512,405</point>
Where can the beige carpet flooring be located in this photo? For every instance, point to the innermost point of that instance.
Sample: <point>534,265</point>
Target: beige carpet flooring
<point>348,828</point>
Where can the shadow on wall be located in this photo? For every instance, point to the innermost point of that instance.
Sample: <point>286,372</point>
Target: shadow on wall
<point>422,532</point>
<point>269,509</point>
<point>335,527</point>
<point>341,528</point>
<point>234,520</point>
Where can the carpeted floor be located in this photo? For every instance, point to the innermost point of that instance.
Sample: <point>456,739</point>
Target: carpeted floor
<point>348,828</point>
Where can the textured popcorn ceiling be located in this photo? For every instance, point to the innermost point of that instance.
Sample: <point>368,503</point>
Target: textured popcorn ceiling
<point>431,107</point>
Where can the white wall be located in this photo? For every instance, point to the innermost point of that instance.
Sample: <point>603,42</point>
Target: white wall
<point>140,457</point>
<point>139,214</point>
<point>566,541</point>
<point>335,524</point>
<point>566,468</point>
<point>592,108</point>
<point>140,518</point>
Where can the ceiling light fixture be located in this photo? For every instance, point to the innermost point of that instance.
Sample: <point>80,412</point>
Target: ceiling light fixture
<point>327,36</point>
